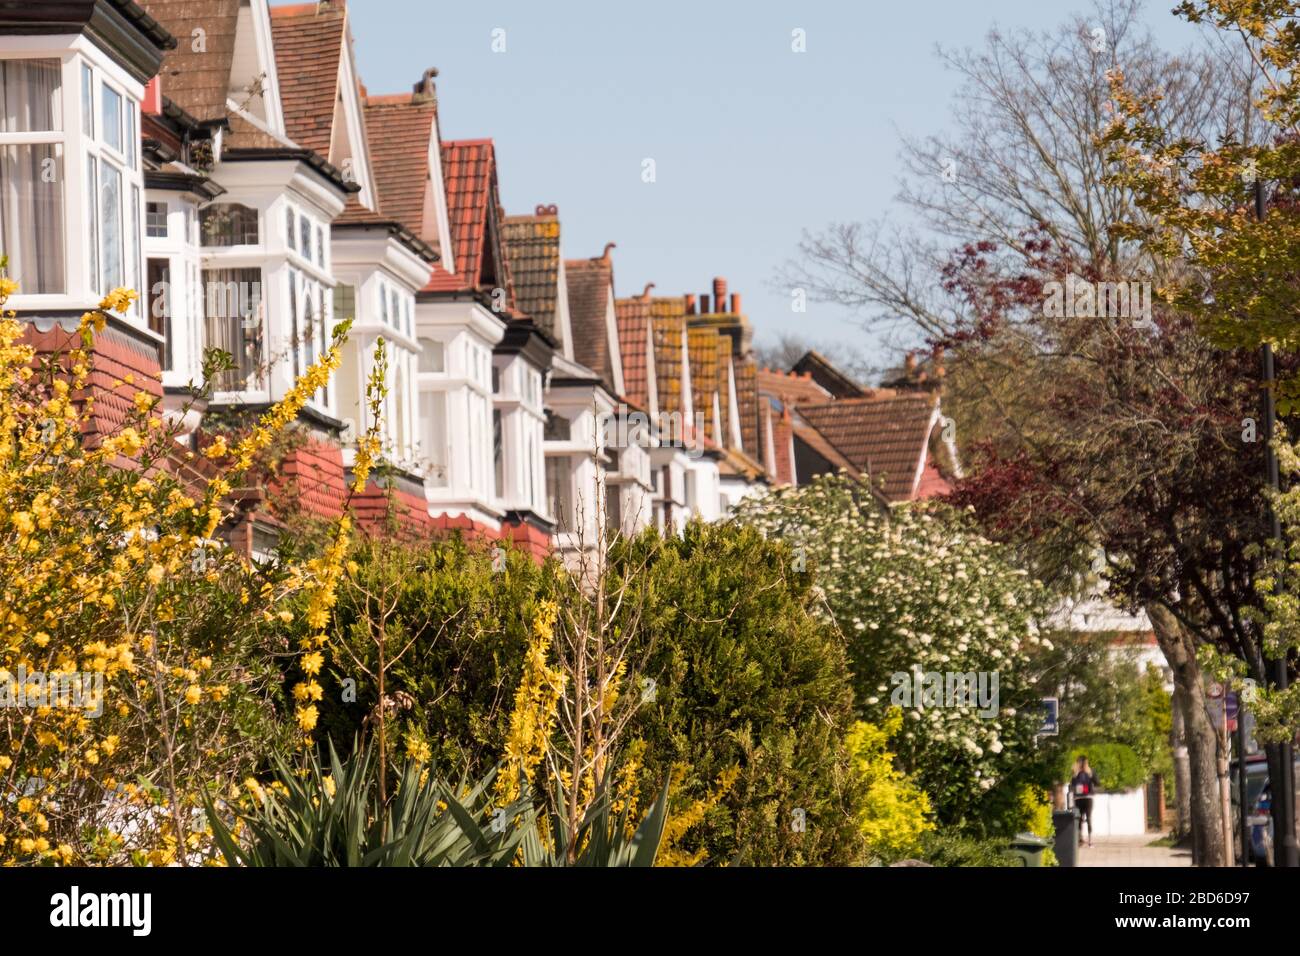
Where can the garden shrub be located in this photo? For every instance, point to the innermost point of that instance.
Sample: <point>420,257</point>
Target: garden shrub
<point>744,675</point>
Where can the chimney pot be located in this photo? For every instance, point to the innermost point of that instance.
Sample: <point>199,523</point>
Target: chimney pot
<point>909,363</point>
<point>704,304</point>
<point>690,304</point>
<point>608,246</point>
<point>735,302</point>
<point>719,293</point>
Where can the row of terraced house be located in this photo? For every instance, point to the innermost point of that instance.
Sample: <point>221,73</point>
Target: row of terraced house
<point>225,157</point>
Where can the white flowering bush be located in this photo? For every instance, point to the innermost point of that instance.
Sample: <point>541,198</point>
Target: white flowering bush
<point>919,591</point>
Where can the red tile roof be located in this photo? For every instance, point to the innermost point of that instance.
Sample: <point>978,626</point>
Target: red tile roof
<point>308,47</point>
<point>887,437</point>
<point>469,176</point>
<point>634,343</point>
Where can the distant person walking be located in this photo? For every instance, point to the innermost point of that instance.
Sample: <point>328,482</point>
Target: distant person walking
<point>1083,785</point>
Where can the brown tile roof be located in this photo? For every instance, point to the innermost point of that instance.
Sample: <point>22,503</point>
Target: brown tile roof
<point>198,81</point>
<point>308,47</point>
<point>398,131</point>
<point>591,283</point>
<point>887,437</point>
<point>532,245</point>
<point>634,343</point>
<point>245,135</point>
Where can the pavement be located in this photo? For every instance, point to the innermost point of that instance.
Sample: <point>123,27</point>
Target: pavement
<point>1132,851</point>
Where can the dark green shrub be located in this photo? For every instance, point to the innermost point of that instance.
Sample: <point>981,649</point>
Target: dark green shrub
<point>744,675</point>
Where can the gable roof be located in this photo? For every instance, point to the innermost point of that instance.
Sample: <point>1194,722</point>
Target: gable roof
<point>591,286</point>
<point>470,178</point>
<point>308,43</point>
<point>634,341</point>
<point>398,130</point>
<point>532,246</point>
<point>886,436</point>
<point>198,81</point>
<point>827,375</point>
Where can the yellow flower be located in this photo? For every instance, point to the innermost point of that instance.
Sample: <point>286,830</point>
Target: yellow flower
<point>193,694</point>
<point>311,662</point>
<point>307,717</point>
<point>155,573</point>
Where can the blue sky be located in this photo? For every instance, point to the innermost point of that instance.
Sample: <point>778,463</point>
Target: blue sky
<point>752,143</point>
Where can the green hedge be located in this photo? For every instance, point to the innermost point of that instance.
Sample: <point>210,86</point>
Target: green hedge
<point>1117,767</point>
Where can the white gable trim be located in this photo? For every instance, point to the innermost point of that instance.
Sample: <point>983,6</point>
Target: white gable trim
<point>611,341</point>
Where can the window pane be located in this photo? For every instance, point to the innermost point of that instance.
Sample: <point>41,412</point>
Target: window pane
<point>88,101</point>
<point>234,324</point>
<point>296,332</point>
<point>158,293</point>
<point>30,96</point>
<point>156,220</point>
<point>320,246</point>
<point>112,117</point>
<point>110,215</point>
<point>498,455</point>
<point>433,422</point>
<point>31,216</point>
<point>132,141</point>
<point>432,356</point>
<point>92,208</point>
<point>228,224</point>
<point>345,303</point>
<point>292,232</point>
<point>304,237</point>
<point>137,278</point>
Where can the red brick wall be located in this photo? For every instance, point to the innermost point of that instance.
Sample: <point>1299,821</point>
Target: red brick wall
<point>314,471</point>
<point>114,357</point>
<point>529,539</point>
<point>410,511</point>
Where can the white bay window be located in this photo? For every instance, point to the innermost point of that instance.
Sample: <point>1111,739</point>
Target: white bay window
<point>32,232</point>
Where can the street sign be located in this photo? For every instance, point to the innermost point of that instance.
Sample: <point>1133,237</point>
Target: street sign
<point>1051,717</point>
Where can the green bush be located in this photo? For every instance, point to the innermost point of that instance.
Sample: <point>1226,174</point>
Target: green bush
<point>744,675</point>
<point>1117,767</point>
<point>948,848</point>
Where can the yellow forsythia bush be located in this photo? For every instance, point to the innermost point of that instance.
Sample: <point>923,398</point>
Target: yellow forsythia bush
<point>141,661</point>
<point>895,812</point>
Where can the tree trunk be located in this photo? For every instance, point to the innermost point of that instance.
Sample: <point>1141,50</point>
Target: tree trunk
<point>1179,648</point>
<point>1182,773</point>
